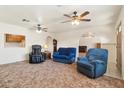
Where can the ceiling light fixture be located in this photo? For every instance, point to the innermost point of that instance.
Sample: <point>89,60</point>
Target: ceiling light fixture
<point>75,22</point>
<point>38,30</point>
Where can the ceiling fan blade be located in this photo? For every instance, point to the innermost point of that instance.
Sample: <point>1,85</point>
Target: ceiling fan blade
<point>84,14</point>
<point>66,21</point>
<point>45,28</point>
<point>85,20</point>
<point>32,28</point>
<point>67,15</point>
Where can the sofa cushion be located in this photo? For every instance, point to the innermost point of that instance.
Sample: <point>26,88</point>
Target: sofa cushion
<point>97,54</point>
<point>60,56</point>
<point>64,51</point>
<point>67,52</point>
<point>65,55</point>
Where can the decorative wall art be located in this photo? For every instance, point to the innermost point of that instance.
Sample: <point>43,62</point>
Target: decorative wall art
<point>12,40</point>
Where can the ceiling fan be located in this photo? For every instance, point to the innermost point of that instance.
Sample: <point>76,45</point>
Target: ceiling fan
<point>75,19</point>
<point>39,28</point>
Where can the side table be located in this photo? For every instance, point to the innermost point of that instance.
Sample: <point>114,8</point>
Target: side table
<point>47,55</point>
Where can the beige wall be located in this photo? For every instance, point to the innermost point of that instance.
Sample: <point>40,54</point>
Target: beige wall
<point>111,51</point>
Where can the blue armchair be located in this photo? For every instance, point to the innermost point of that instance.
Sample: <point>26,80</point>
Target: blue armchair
<point>94,64</point>
<point>65,55</point>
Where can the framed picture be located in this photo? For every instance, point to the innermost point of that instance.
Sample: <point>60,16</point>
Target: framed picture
<point>12,40</point>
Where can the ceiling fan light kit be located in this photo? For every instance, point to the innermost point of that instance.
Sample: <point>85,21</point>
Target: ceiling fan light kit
<point>75,19</point>
<point>38,31</point>
<point>38,28</point>
<point>75,22</point>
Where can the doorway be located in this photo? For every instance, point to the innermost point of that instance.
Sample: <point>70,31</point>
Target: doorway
<point>114,69</point>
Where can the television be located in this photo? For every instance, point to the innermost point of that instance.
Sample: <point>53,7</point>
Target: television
<point>82,49</point>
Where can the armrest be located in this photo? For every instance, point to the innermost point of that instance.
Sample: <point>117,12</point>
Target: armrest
<point>71,55</point>
<point>85,65</point>
<point>97,62</point>
<point>82,58</point>
<point>99,66</point>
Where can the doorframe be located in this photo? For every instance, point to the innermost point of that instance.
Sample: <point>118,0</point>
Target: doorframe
<point>117,33</point>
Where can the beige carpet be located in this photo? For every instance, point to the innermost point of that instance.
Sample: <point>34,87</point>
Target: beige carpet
<point>50,74</point>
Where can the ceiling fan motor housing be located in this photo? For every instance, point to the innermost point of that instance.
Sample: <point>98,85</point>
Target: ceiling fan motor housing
<point>76,18</point>
<point>75,15</point>
<point>39,28</point>
<point>38,24</point>
<point>75,12</point>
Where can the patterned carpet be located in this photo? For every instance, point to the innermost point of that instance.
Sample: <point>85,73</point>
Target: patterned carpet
<point>50,74</point>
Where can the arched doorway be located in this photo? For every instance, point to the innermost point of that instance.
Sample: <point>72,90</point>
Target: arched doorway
<point>49,43</point>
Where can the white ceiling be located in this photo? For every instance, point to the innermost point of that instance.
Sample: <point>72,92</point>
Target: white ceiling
<point>51,16</point>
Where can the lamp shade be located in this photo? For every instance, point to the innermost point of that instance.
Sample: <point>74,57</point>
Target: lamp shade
<point>45,46</point>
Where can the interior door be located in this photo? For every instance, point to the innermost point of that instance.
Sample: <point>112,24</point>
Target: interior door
<point>119,48</point>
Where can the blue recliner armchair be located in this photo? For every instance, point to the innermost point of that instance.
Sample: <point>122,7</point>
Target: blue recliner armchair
<point>36,56</point>
<point>94,64</point>
<point>65,55</point>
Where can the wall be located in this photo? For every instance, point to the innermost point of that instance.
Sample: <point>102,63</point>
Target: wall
<point>121,19</point>
<point>111,47</point>
<point>14,54</point>
<point>84,41</point>
<point>104,34</point>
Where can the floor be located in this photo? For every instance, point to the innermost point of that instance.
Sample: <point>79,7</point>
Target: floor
<point>112,70</point>
<point>51,75</point>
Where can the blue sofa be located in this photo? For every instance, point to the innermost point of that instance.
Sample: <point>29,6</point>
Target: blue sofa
<point>65,55</point>
<point>94,64</point>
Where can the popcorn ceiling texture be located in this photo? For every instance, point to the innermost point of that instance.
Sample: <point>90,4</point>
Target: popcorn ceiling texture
<point>50,74</point>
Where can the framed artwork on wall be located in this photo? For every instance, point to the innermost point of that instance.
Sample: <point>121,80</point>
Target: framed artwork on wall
<point>12,40</point>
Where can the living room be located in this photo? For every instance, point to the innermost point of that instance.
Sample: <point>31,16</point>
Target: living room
<point>22,27</point>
